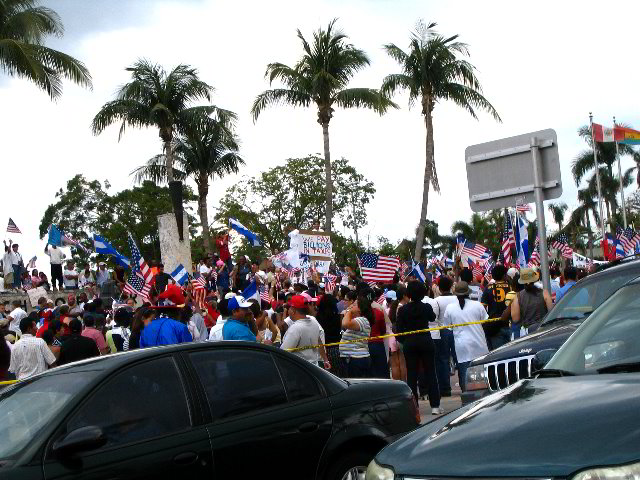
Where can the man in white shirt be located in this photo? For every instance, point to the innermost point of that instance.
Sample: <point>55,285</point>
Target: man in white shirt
<point>86,277</point>
<point>102,275</point>
<point>55,258</point>
<point>17,264</point>
<point>445,348</point>
<point>15,317</point>
<point>70,277</point>
<point>30,355</point>
<point>304,332</point>
<point>215,335</point>
<point>7,267</point>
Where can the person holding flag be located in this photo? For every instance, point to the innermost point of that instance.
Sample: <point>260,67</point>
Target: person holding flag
<point>56,256</point>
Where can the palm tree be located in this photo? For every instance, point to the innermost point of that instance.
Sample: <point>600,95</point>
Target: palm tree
<point>610,185</point>
<point>23,28</point>
<point>155,98</point>
<point>432,71</point>
<point>321,77</point>
<point>557,212</point>
<point>204,152</point>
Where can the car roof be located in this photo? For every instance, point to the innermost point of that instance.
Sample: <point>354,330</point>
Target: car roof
<point>116,360</point>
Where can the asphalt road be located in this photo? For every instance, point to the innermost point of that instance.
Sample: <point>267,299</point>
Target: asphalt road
<point>448,404</point>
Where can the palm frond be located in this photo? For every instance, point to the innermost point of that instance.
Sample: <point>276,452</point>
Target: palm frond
<point>364,97</point>
<point>279,96</point>
<point>155,170</point>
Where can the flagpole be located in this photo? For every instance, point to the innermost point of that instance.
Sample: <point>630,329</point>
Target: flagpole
<point>595,162</point>
<point>624,210</point>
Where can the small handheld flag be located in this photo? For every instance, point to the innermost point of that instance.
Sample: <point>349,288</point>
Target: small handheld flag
<point>32,262</point>
<point>101,245</point>
<point>12,227</point>
<point>180,275</point>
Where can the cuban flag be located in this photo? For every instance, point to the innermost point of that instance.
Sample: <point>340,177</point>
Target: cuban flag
<point>180,275</point>
<point>522,242</point>
<point>242,230</point>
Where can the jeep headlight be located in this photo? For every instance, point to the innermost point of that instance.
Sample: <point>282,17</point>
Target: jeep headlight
<point>378,472</point>
<point>476,379</point>
<point>623,472</point>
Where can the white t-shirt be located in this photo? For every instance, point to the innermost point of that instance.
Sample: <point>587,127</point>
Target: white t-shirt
<point>476,293</point>
<point>443,302</point>
<point>16,258</point>
<point>470,340</point>
<point>7,263</point>
<point>435,334</point>
<point>302,333</point>
<point>69,282</point>
<point>17,315</point>
<point>204,270</point>
<point>55,256</point>
<point>215,335</point>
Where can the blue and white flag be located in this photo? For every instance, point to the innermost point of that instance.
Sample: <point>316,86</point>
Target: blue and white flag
<point>417,272</point>
<point>101,245</point>
<point>251,291</point>
<point>522,242</point>
<point>180,275</point>
<point>242,230</point>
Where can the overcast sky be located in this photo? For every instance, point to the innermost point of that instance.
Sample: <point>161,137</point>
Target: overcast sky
<point>542,64</point>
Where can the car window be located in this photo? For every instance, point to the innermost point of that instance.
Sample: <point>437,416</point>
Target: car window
<point>585,297</point>
<point>611,336</point>
<point>299,383</point>
<point>144,401</point>
<point>238,381</point>
<point>29,406</point>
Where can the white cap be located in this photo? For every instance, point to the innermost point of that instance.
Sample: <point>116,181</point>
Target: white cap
<point>512,272</point>
<point>229,296</point>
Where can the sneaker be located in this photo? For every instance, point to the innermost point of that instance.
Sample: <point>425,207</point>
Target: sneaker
<point>437,411</point>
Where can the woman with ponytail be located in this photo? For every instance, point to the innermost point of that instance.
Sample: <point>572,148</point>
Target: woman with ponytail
<point>469,340</point>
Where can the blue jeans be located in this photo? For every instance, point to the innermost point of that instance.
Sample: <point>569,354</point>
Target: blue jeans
<point>17,276</point>
<point>462,373</point>
<point>442,366</point>
<point>379,365</point>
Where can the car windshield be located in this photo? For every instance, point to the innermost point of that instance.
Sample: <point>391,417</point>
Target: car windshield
<point>30,405</point>
<point>608,342</point>
<point>583,298</point>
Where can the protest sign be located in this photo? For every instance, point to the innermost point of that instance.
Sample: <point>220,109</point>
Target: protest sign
<point>35,294</point>
<point>315,244</point>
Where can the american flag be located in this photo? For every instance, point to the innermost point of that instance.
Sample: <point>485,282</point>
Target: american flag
<point>562,243</point>
<point>381,298</point>
<point>264,294</point>
<point>523,207</point>
<point>402,273</point>
<point>535,256</point>
<point>487,269</point>
<point>32,262</point>
<point>138,265</point>
<point>69,240</point>
<point>135,285</point>
<point>626,238</point>
<point>476,251</point>
<point>478,270</point>
<point>330,282</point>
<point>377,268</point>
<point>199,286</point>
<point>12,227</point>
<point>508,239</point>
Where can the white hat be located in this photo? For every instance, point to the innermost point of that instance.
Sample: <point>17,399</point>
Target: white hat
<point>391,295</point>
<point>238,302</point>
<point>321,285</point>
<point>229,296</point>
<point>512,272</point>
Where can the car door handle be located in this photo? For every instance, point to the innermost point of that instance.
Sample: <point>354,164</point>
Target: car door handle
<point>308,427</point>
<point>186,458</point>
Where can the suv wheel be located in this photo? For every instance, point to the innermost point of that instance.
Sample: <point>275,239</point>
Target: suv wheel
<point>351,466</point>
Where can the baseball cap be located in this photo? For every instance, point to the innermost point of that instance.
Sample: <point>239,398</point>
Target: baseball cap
<point>238,302</point>
<point>229,295</point>
<point>391,295</point>
<point>321,285</point>
<point>297,301</point>
<point>173,294</point>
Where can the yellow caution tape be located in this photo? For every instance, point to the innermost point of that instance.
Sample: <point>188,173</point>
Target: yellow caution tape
<point>8,382</point>
<point>424,330</point>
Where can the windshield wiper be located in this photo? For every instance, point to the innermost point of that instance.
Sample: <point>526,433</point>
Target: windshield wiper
<point>558,319</point>
<point>621,368</point>
<point>554,372</point>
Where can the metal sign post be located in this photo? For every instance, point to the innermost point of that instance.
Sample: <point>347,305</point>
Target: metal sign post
<point>542,228</point>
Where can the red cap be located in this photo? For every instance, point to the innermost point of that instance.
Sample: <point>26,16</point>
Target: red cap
<point>297,301</point>
<point>173,293</point>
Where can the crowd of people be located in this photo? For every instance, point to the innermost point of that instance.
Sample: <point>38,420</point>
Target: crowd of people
<point>330,327</point>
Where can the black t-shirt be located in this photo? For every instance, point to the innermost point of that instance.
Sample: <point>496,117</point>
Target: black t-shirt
<point>162,279</point>
<point>494,298</point>
<point>414,316</point>
<point>76,347</point>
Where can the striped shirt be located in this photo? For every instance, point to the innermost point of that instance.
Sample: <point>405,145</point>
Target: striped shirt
<point>30,356</point>
<point>356,349</point>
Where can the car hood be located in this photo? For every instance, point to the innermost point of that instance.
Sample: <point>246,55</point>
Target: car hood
<point>551,337</point>
<point>537,427</point>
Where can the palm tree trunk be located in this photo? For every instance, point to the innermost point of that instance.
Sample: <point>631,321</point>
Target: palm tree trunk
<point>168,154</point>
<point>428,170</point>
<point>203,191</point>
<point>327,178</point>
<point>589,234</point>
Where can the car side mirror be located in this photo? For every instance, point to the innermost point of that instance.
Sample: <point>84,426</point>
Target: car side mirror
<point>80,440</point>
<point>541,359</point>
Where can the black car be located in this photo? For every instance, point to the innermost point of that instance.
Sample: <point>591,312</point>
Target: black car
<point>199,410</point>
<point>578,419</point>
<point>511,362</point>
